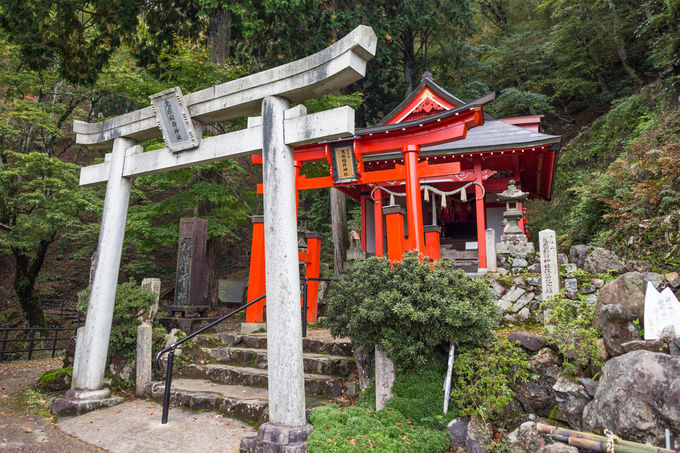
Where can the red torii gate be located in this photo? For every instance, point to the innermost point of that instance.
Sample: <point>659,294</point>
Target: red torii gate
<point>347,169</point>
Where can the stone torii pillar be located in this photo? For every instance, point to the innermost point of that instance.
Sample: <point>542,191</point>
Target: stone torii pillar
<point>279,129</point>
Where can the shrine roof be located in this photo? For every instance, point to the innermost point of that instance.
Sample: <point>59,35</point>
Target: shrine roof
<point>494,135</point>
<point>428,119</point>
<point>426,81</point>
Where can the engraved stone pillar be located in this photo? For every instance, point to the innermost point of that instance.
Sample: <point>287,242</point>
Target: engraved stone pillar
<point>550,273</point>
<point>143,365</point>
<point>153,285</point>
<point>190,280</point>
<point>490,237</point>
<point>384,378</point>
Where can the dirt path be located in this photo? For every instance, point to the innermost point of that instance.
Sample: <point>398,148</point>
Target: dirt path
<point>25,425</point>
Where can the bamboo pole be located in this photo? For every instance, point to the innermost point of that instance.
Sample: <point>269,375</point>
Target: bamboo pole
<point>595,442</point>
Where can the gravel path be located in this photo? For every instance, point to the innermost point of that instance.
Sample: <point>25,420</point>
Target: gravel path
<point>21,428</point>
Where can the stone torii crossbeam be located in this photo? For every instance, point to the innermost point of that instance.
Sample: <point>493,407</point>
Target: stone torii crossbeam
<point>279,130</point>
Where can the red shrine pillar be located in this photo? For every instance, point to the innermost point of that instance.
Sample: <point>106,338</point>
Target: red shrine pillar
<point>394,219</point>
<point>363,199</point>
<point>312,260</point>
<point>298,166</point>
<point>256,281</point>
<point>378,220</point>
<point>432,245</point>
<point>481,216</point>
<point>414,207</point>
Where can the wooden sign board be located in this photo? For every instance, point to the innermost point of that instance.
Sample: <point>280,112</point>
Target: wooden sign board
<point>173,119</point>
<point>344,163</point>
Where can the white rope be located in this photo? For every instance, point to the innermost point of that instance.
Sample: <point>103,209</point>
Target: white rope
<point>434,190</point>
<point>611,439</point>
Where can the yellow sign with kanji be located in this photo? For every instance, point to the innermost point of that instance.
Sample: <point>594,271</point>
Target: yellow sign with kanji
<point>344,163</point>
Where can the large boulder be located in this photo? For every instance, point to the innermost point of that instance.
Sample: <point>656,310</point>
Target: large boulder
<point>525,438</point>
<point>616,327</point>
<point>478,437</point>
<point>458,428</point>
<point>637,398</point>
<point>578,254</point>
<point>529,341</point>
<point>571,397</point>
<point>536,395</point>
<point>602,261</point>
<point>619,303</point>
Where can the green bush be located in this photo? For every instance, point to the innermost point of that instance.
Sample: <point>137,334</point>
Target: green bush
<point>131,302</point>
<point>569,325</point>
<point>483,377</point>
<point>410,307</point>
<point>356,429</point>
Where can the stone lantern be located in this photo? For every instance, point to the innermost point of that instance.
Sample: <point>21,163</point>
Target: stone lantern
<point>513,240</point>
<point>512,197</point>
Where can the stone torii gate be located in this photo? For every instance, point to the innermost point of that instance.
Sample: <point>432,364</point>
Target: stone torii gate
<point>180,119</point>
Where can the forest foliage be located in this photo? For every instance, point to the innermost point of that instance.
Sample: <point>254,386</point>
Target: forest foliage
<point>572,60</point>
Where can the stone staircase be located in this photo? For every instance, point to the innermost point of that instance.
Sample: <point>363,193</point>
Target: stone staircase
<point>227,373</point>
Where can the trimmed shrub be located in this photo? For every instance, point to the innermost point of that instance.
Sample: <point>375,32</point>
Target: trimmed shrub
<point>408,308</point>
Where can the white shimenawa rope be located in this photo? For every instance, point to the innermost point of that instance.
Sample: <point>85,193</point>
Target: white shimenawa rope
<point>428,188</point>
<point>611,439</point>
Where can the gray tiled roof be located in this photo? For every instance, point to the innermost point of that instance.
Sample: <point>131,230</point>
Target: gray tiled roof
<point>492,135</point>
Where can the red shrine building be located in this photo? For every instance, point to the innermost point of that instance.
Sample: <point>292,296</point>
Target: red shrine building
<point>426,178</point>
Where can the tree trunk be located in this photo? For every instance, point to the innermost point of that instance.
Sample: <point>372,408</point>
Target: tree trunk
<point>203,207</point>
<point>620,46</point>
<point>211,254</point>
<point>339,224</point>
<point>25,276</point>
<point>219,35</point>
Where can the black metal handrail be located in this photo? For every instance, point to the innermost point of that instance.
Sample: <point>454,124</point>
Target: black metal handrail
<point>171,354</point>
<point>170,350</point>
<point>304,281</point>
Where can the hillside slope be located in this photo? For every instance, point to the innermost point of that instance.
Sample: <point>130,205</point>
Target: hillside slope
<point>618,182</point>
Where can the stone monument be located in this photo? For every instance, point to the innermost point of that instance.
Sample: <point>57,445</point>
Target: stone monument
<point>278,131</point>
<point>550,272</point>
<point>190,277</point>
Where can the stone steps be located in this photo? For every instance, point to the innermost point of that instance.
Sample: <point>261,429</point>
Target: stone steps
<point>316,343</point>
<point>245,403</point>
<point>227,373</point>
<point>313,363</point>
<point>315,384</point>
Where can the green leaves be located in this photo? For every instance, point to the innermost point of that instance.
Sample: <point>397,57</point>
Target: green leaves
<point>484,377</point>
<point>408,308</point>
<point>357,429</point>
<point>568,324</point>
<point>39,199</point>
